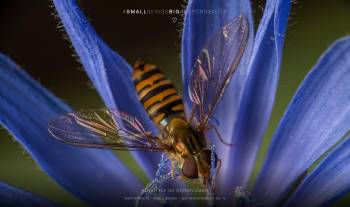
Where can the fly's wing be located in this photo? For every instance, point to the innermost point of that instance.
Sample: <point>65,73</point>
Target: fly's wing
<point>103,128</point>
<point>214,67</point>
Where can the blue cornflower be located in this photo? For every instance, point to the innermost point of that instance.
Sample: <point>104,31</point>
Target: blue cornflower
<point>316,119</point>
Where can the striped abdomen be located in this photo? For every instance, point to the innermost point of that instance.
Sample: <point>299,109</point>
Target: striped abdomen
<point>157,94</point>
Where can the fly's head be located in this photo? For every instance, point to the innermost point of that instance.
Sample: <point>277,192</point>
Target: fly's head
<point>199,166</point>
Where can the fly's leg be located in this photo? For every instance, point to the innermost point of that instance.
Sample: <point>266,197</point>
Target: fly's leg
<point>220,137</point>
<point>218,166</point>
<point>216,130</point>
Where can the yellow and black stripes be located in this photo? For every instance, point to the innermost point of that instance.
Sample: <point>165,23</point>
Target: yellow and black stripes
<point>157,94</point>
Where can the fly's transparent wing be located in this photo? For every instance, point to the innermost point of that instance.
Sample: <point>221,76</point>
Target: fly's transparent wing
<point>215,65</point>
<point>103,128</point>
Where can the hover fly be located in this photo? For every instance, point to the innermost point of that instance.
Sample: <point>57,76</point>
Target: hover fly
<point>182,138</point>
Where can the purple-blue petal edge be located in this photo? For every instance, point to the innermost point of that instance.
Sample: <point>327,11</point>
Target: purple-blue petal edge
<point>258,97</point>
<point>328,182</point>
<point>12,196</point>
<point>317,117</point>
<point>95,176</point>
<point>109,73</point>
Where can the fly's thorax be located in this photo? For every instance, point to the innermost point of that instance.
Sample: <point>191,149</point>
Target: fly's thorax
<point>184,139</point>
<point>157,93</point>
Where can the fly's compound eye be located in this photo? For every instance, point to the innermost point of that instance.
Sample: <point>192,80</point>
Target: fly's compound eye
<point>205,155</point>
<point>189,168</point>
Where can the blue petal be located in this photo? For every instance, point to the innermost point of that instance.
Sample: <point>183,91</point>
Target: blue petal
<point>198,29</point>
<point>257,98</point>
<point>11,196</point>
<point>93,175</point>
<point>328,182</point>
<point>109,72</point>
<point>317,117</point>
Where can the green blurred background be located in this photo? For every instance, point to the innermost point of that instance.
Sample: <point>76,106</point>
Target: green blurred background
<point>28,34</point>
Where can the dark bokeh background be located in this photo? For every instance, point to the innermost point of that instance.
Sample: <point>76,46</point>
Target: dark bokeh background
<point>28,34</point>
